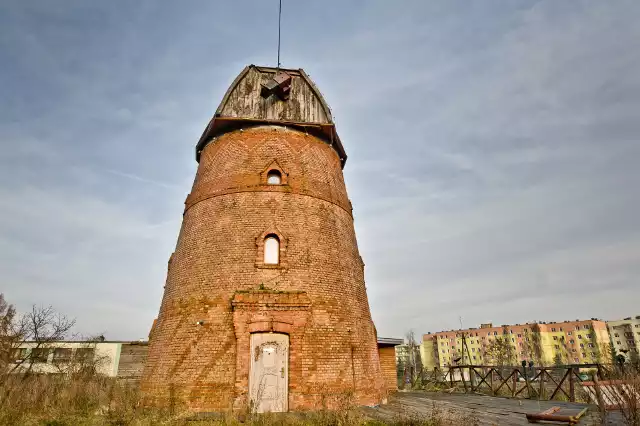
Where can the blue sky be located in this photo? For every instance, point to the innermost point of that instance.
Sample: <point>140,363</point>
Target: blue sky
<point>493,149</point>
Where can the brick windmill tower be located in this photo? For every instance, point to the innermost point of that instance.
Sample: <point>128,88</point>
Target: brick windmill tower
<point>265,301</point>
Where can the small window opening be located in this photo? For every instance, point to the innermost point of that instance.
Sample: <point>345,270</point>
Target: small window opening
<point>85,354</point>
<point>274,177</point>
<point>271,250</point>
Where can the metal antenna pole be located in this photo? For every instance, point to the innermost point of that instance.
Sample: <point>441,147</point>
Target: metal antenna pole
<point>279,19</point>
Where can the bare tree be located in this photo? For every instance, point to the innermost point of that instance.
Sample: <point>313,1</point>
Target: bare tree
<point>413,365</point>
<point>536,344</point>
<point>485,354</point>
<point>501,351</point>
<point>559,360</point>
<point>624,395</point>
<point>84,359</point>
<point>7,317</point>
<point>527,346</point>
<point>25,340</point>
<point>608,353</point>
<point>41,327</point>
<point>561,356</point>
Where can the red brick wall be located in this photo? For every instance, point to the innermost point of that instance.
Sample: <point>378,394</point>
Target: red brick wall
<point>316,295</point>
<point>388,367</point>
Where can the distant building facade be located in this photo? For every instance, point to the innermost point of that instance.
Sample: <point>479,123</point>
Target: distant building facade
<point>402,353</point>
<point>625,337</point>
<point>124,360</point>
<point>429,352</point>
<point>568,342</point>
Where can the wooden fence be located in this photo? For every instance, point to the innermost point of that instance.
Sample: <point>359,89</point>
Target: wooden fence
<point>526,382</point>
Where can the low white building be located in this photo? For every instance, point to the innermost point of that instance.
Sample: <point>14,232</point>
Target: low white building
<point>110,358</point>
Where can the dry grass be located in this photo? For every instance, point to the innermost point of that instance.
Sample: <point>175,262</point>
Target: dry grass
<point>621,394</point>
<point>65,399</point>
<point>437,417</point>
<point>79,400</point>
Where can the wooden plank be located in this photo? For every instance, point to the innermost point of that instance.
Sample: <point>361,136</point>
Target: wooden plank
<point>487,409</point>
<point>244,100</point>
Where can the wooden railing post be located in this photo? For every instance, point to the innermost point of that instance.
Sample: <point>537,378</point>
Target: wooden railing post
<point>599,372</point>
<point>491,372</point>
<point>515,382</point>
<point>451,376</point>
<point>572,392</point>
<point>464,382</point>
<point>542,372</point>
<point>601,405</point>
<point>472,378</point>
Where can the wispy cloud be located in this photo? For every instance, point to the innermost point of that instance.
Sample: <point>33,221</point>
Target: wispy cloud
<point>493,150</point>
<point>141,179</point>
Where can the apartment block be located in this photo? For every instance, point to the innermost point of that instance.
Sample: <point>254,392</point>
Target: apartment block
<point>568,342</point>
<point>625,337</point>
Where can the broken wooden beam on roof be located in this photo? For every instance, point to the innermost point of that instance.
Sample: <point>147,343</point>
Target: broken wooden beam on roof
<point>279,85</point>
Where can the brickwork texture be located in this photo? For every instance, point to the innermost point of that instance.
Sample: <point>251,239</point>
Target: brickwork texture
<point>388,367</point>
<point>218,290</point>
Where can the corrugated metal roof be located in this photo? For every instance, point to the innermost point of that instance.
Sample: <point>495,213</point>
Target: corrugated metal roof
<point>389,341</point>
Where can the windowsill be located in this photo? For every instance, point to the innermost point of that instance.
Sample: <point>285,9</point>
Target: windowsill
<point>268,266</point>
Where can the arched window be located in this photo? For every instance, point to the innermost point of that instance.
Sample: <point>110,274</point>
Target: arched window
<point>271,250</point>
<point>274,177</point>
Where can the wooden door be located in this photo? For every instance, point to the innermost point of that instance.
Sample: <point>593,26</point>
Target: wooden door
<point>269,374</point>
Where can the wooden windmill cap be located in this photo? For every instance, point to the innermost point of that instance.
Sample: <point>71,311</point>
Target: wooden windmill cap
<point>267,95</point>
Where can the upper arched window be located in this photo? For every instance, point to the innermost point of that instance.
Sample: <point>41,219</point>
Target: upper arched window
<point>271,250</point>
<point>274,177</point>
